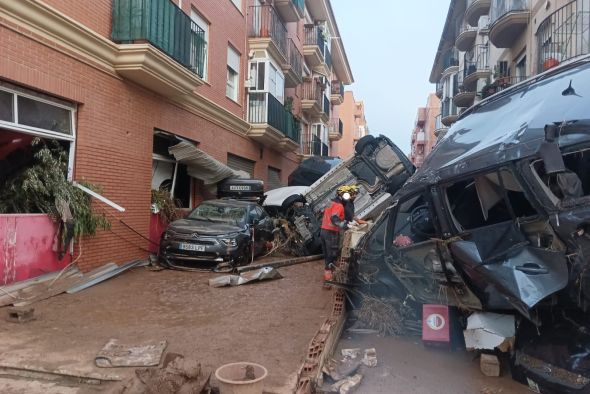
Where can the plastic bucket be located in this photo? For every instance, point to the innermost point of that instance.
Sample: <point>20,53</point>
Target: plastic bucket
<point>241,378</point>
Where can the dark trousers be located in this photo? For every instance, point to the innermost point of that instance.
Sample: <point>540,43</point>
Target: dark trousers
<point>330,247</point>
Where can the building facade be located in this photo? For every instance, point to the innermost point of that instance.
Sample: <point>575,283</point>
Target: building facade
<point>423,135</point>
<point>354,125</point>
<point>489,45</point>
<point>144,95</point>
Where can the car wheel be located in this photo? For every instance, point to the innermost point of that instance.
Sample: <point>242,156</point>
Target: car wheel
<point>246,256</point>
<point>365,141</point>
<point>292,200</point>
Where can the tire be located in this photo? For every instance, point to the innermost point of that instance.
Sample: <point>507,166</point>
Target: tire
<point>365,141</point>
<point>292,200</point>
<point>246,257</point>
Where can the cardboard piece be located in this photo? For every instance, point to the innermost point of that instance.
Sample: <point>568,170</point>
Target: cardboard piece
<point>489,331</point>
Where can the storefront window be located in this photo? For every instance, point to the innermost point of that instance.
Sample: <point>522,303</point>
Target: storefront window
<point>44,116</point>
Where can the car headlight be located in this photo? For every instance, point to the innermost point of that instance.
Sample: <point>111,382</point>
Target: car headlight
<point>229,242</point>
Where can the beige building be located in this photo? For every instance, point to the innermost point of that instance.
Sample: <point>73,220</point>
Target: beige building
<point>489,45</point>
<point>423,136</point>
<point>353,123</point>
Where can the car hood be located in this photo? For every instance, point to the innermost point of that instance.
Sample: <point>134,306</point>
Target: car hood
<point>203,227</point>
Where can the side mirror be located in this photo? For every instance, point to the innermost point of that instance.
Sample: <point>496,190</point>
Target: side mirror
<point>550,152</point>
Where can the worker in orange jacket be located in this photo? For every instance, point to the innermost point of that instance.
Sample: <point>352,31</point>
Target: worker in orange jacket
<point>333,222</point>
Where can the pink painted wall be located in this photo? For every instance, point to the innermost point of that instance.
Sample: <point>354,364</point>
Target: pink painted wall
<point>26,247</point>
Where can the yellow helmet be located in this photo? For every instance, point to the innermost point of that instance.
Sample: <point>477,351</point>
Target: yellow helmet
<point>343,189</point>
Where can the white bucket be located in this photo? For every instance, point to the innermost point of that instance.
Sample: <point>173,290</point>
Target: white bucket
<point>232,378</point>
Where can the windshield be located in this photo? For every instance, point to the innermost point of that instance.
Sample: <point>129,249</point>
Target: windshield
<point>219,213</point>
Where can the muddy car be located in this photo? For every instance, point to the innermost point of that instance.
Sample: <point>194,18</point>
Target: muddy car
<point>498,219</point>
<point>378,167</point>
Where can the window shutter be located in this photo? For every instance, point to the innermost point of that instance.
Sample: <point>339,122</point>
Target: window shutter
<point>233,59</point>
<point>274,178</point>
<point>240,164</point>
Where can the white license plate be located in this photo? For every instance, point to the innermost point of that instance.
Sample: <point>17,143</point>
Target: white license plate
<point>239,188</point>
<point>191,247</point>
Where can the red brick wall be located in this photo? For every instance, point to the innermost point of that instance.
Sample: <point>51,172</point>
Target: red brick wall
<point>115,124</point>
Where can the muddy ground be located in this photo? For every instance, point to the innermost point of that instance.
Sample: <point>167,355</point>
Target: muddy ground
<point>270,323</point>
<point>406,366</point>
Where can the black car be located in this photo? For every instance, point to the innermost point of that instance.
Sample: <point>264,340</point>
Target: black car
<point>225,232</point>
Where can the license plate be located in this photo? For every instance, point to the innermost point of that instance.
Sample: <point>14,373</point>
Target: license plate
<point>239,188</point>
<point>191,247</point>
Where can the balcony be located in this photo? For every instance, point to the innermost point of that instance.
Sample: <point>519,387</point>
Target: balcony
<point>450,62</point>
<point>421,118</point>
<point>501,83</point>
<point>267,32</point>
<point>439,129</point>
<point>314,147</point>
<point>167,50</point>
<point>337,93</point>
<point>563,35</point>
<point>314,102</point>
<point>293,69</point>
<point>476,66</point>
<point>449,112</point>
<point>272,124</point>
<point>476,9</point>
<point>464,98</point>
<point>508,19</point>
<point>335,129</point>
<point>439,89</point>
<point>290,10</point>
<point>466,37</point>
<point>315,50</point>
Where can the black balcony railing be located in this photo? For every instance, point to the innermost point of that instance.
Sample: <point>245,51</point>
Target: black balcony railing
<point>265,108</point>
<point>295,59</point>
<point>327,57</point>
<point>448,108</point>
<point>450,58</point>
<point>313,146</point>
<point>500,8</point>
<point>165,26</point>
<point>439,88</point>
<point>313,90</point>
<point>564,34</point>
<point>477,60</point>
<point>314,35</point>
<point>499,84</point>
<point>264,22</point>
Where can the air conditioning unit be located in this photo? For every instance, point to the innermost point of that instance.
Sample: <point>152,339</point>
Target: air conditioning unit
<point>249,83</point>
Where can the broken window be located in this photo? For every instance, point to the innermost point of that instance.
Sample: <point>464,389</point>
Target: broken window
<point>571,184</point>
<point>167,173</point>
<point>487,199</point>
<point>413,222</point>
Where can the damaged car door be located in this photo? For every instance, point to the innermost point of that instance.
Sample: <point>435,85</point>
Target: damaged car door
<point>417,256</point>
<point>503,245</point>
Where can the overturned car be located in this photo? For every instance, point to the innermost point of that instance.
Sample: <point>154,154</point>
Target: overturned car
<point>378,167</point>
<point>498,219</point>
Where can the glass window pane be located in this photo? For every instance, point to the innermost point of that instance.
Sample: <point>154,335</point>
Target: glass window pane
<point>43,116</point>
<point>6,110</point>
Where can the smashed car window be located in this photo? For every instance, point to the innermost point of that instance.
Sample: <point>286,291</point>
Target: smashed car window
<point>413,222</point>
<point>571,184</point>
<point>486,200</point>
<point>218,213</point>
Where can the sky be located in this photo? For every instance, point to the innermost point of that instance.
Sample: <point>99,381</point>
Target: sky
<point>391,45</point>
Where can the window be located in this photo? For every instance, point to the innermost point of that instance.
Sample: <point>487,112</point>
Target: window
<point>204,26</point>
<point>413,222</point>
<point>233,73</point>
<point>571,184</point>
<point>273,83</point>
<point>487,199</point>
<point>167,173</point>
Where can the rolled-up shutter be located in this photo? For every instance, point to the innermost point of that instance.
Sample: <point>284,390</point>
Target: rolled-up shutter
<point>274,178</point>
<point>241,164</point>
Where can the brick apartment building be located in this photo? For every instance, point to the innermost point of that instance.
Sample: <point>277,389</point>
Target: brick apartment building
<point>423,135</point>
<point>489,45</point>
<point>354,125</point>
<point>119,82</point>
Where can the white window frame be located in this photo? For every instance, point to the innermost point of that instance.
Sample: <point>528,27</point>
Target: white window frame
<point>233,76</point>
<point>238,4</point>
<point>204,25</point>
<point>274,79</point>
<point>15,126</point>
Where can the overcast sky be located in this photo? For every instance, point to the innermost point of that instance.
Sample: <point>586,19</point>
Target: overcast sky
<point>391,46</point>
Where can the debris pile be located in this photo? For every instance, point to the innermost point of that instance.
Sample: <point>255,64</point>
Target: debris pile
<point>387,316</point>
<point>345,375</point>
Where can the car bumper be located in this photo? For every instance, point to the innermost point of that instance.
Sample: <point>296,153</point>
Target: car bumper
<point>170,254</point>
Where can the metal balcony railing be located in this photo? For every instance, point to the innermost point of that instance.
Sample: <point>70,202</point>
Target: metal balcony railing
<point>501,83</point>
<point>265,108</point>
<point>313,146</point>
<point>295,59</point>
<point>336,126</point>
<point>450,58</point>
<point>163,25</point>
<point>439,88</point>
<point>314,35</point>
<point>327,57</point>
<point>312,90</point>
<point>326,107</point>
<point>438,122</point>
<point>564,34</point>
<point>338,88</point>
<point>477,60</point>
<point>499,8</point>
<point>264,22</point>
